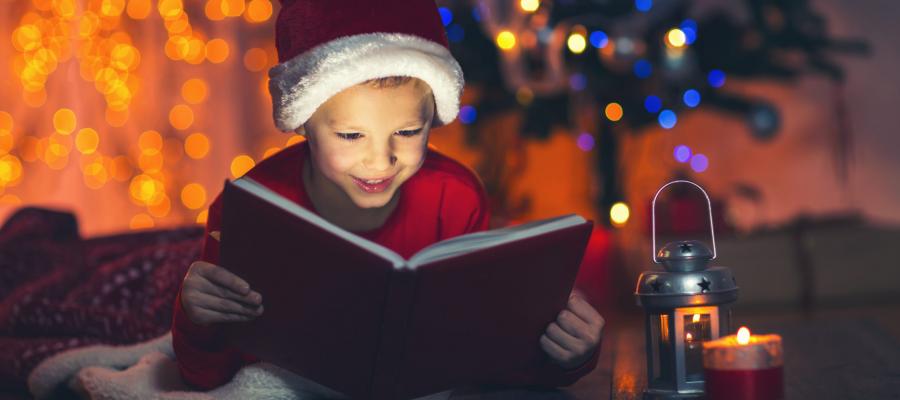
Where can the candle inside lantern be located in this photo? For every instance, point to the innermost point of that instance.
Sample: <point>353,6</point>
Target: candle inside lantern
<point>744,367</point>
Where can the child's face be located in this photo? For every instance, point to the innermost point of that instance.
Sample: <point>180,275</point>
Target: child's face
<point>366,141</point>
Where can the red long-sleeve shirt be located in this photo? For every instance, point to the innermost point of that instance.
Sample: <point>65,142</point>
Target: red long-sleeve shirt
<point>442,200</point>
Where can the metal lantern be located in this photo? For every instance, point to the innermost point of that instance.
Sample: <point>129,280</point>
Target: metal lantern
<point>686,304</point>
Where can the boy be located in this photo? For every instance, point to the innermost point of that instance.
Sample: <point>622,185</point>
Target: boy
<point>364,81</point>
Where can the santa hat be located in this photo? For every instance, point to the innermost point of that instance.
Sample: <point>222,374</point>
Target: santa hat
<point>325,46</point>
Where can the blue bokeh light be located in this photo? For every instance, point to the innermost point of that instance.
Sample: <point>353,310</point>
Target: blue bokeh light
<point>446,15</point>
<point>455,33</point>
<point>643,68</point>
<point>667,119</point>
<point>577,81</point>
<point>691,98</point>
<point>467,114</point>
<point>699,163</point>
<point>598,39</point>
<point>689,27</point>
<point>643,5</point>
<point>476,14</point>
<point>716,78</point>
<point>682,153</point>
<point>652,104</point>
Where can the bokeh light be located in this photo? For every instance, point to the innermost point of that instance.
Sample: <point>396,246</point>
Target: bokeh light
<point>467,114</point>
<point>682,153</point>
<point>619,214</point>
<point>529,5</point>
<point>576,43</point>
<point>196,145</point>
<point>217,51</point>
<point>689,27</point>
<point>194,91</point>
<point>455,33</point>
<point>675,38</point>
<point>141,221</point>
<point>613,111</point>
<point>667,119</point>
<point>193,196</point>
<point>691,98</point>
<point>256,59</point>
<point>652,104</point>
<point>598,39</point>
<point>446,15</point>
<point>181,117</point>
<point>699,163</point>
<point>258,11</point>
<point>585,141</point>
<point>716,78</point>
<point>150,142</point>
<point>643,5</point>
<point>506,40</point>
<point>643,68</point>
<point>64,121</point>
<point>577,82</point>
<point>240,165</point>
<point>87,140</point>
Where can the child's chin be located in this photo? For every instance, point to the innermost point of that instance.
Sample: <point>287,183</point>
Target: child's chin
<point>375,200</point>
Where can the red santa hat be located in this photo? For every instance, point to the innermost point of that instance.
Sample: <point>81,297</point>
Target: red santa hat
<point>325,46</point>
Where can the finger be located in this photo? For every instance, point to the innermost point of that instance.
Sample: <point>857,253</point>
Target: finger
<point>223,305</point>
<point>553,349</point>
<point>573,325</point>
<point>558,335</point>
<point>224,277</point>
<point>252,298</point>
<point>584,310</point>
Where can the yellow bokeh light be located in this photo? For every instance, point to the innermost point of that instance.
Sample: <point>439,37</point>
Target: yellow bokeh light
<point>6,142</point>
<point>112,8</point>
<point>65,9</point>
<point>138,9</point>
<point>506,40</point>
<point>241,164</point>
<point>217,51</point>
<point>270,151</point>
<point>124,57</point>
<point>196,145</point>
<point>27,38</point>
<point>294,139</point>
<point>202,216</point>
<point>196,51</point>
<point>146,190</point>
<point>169,9</point>
<point>529,5</point>
<point>213,10</point>
<point>150,142</point>
<point>56,156</point>
<point>10,170</point>
<point>233,8</point>
<point>258,11</point>
<point>43,5</point>
<point>675,38</point>
<point>181,117</point>
<point>193,196</point>
<point>613,111</point>
<point>87,141</point>
<point>179,25</point>
<point>161,208</point>
<point>177,47</point>
<point>141,221</point>
<point>743,336</point>
<point>255,59</point>
<point>64,121</point>
<point>88,25</point>
<point>95,174</point>
<point>619,213</point>
<point>6,121</point>
<point>576,43</point>
<point>194,90</point>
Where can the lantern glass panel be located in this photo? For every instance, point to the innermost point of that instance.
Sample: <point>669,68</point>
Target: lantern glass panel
<point>663,349</point>
<point>698,329</point>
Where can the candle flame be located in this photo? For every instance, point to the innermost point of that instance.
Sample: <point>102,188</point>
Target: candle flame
<point>696,318</point>
<point>689,337</point>
<point>743,335</point>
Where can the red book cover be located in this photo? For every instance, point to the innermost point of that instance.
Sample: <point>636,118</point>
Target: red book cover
<point>358,319</point>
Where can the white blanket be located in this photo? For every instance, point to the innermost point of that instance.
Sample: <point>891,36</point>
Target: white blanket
<point>148,371</point>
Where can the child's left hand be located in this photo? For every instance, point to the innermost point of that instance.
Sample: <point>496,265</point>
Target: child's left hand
<point>572,339</point>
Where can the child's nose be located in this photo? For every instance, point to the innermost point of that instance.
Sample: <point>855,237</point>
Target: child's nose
<point>380,159</point>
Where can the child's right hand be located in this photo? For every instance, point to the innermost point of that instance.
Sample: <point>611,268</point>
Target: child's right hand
<point>211,294</point>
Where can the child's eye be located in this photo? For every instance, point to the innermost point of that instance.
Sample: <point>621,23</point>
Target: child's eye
<point>409,133</point>
<point>349,136</point>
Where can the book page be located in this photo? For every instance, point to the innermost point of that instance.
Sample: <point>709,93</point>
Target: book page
<point>261,191</point>
<point>482,240</point>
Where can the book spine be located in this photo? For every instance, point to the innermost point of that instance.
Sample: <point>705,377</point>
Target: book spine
<point>392,342</point>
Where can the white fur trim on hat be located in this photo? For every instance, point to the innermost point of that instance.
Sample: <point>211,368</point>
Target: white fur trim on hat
<point>300,85</point>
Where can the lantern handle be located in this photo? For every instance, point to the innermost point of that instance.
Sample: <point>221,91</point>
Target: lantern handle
<point>712,233</point>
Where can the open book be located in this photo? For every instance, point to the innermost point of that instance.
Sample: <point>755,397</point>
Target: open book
<point>360,320</point>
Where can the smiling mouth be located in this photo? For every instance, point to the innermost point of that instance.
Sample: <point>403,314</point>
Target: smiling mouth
<point>373,185</point>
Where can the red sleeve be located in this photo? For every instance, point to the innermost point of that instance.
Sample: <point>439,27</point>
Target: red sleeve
<point>204,360</point>
<point>464,209</point>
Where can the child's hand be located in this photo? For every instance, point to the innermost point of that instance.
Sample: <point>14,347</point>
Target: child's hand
<point>572,339</point>
<point>211,294</point>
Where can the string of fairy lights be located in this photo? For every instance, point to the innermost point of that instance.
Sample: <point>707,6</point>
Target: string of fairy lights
<point>92,34</point>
